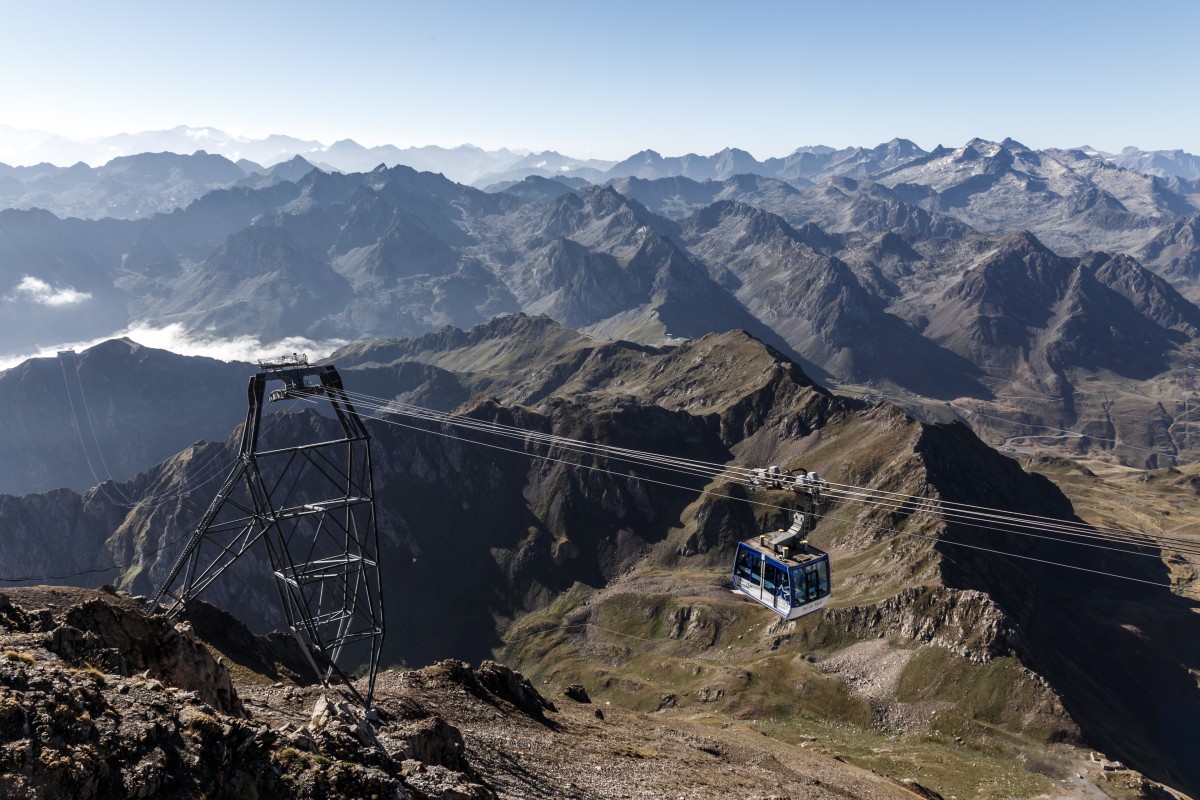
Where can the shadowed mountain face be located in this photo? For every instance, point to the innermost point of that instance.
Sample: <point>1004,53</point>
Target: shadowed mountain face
<point>259,279</point>
<point>492,537</point>
<point>1175,253</point>
<point>817,303</point>
<point>1022,305</point>
<point>109,412</point>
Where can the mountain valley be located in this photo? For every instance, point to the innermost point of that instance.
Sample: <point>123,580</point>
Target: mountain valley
<point>989,351</point>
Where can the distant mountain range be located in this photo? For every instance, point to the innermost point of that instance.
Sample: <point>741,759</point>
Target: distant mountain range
<point>925,290</point>
<point>131,187</point>
<point>465,163</point>
<point>495,168</point>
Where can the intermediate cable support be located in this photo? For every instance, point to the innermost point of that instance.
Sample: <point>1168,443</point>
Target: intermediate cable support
<point>967,514</point>
<point>763,504</point>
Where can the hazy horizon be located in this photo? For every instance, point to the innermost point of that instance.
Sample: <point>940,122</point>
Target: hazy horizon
<point>765,77</point>
<point>37,153</point>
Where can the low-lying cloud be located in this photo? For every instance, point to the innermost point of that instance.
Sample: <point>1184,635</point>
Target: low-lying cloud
<point>36,290</point>
<point>175,338</point>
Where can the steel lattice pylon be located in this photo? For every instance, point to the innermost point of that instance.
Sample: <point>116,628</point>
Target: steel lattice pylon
<point>313,508</point>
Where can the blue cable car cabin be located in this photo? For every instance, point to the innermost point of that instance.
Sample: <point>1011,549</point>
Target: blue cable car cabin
<point>783,572</point>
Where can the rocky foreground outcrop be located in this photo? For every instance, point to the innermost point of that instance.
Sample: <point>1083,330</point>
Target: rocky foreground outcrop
<point>98,700</point>
<point>137,707</point>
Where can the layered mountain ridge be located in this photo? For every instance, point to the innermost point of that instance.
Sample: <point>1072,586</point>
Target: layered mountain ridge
<point>716,310</point>
<point>863,283</point>
<point>550,545</point>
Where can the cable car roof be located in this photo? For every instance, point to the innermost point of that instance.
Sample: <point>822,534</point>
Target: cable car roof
<point>800,554</point>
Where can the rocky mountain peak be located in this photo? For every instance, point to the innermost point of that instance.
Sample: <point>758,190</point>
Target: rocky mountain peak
<point>605,199</point>
<point>1152,296</point>
<point>1020,269</point>
<point>1012,144</point>
<point>1096,198</point>
<point>898,149</point>
<point>1012,290</point>
<point>1023,244</point>
<point>971,151</point>
<point>1175,249</point>
<point>755,226</point>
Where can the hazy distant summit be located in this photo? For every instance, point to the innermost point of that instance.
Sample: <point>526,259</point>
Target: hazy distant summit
<point>465,164</point>
<point>1076,199</point>
<point>475,166</point>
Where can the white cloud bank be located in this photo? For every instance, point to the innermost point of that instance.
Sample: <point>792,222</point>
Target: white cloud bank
<point>36,290</point>
<point>175,338</point>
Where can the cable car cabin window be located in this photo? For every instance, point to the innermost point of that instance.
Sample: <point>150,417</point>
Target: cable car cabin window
<point>810,578</point>
<point>779,576</point>
<point>771,578</point>
<point>823,578</point>
<point>798,585</point>
<point>749,565</point>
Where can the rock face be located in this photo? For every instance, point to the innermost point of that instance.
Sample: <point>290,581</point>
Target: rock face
<point>862,278</point>
<point>109,412</point>
<point>969,622</point>
<point>75,723</point>
<point>110,632</point>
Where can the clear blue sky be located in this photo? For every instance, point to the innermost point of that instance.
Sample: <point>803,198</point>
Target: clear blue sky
<point>609,78</point>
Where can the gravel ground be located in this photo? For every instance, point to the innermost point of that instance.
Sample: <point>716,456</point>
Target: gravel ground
<point>872,669</point>
<point>594,751</point>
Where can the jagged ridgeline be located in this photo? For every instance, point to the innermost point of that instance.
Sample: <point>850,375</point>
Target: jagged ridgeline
<point>613,578</point>
<point>1020,289</point>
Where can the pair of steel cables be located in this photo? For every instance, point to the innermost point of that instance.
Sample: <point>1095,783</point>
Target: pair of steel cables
<point>155,500</point>
<point>1121,541</point>
<point>1002,521</point>
<point>122,500</point>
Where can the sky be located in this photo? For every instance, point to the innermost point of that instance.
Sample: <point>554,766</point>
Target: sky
<point>608,79</point>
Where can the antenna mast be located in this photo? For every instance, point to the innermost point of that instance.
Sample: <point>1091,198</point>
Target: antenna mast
<point>313,507</point>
